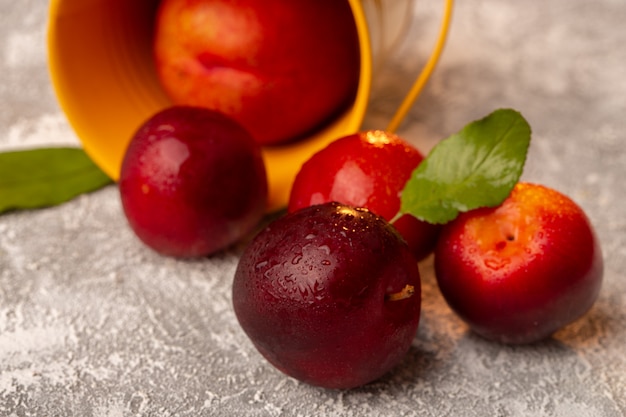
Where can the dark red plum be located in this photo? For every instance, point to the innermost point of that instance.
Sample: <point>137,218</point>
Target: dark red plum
<point>330,295</point>
<point>192,182</point>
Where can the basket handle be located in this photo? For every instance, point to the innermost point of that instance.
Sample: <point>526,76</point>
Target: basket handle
<point>422,78</point>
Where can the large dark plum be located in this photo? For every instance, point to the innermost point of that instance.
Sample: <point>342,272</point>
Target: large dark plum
<point>329,294</point>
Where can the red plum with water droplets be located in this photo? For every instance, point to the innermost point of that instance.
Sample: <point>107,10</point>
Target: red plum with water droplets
<point>519,272</point>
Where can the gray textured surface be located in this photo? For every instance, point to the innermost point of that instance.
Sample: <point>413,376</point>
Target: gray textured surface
<point>94,324</point>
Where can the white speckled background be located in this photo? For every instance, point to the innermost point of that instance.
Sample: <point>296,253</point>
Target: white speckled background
<point>94,324</point>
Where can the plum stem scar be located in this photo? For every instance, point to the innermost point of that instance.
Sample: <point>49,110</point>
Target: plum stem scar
<point>404,293</point>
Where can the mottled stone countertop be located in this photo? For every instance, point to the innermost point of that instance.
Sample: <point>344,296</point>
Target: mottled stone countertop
<point>94,324</point>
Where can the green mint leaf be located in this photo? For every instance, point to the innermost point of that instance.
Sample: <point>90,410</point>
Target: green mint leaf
<point>476,167</point>
<point>46,177</point>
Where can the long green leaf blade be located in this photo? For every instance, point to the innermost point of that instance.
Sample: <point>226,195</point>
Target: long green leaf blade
<point>46,177</point>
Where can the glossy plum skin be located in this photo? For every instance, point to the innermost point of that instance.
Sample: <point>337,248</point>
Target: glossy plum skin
<point>519,272</point>
<point>192,182</point>
<point>312,293</point>
<point>368,169</point>
<point>281,68</point>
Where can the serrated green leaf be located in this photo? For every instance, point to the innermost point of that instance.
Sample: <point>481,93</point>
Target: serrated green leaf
<point>46,177</point>
<point>476,167</point>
